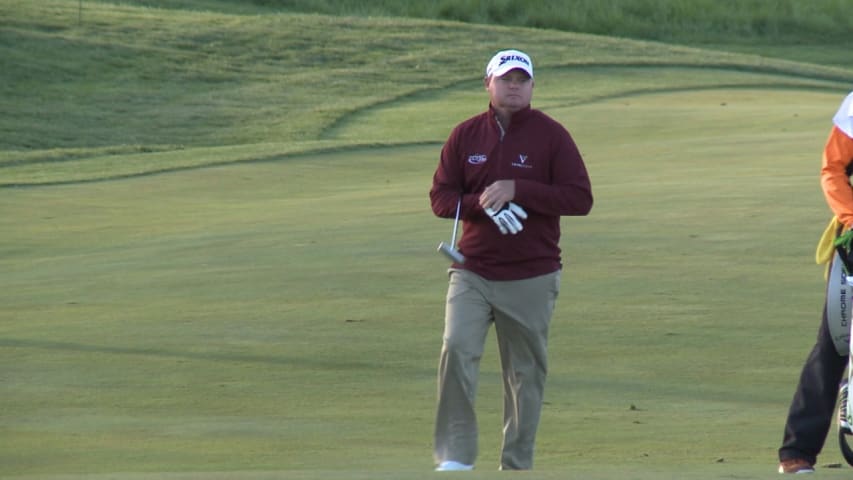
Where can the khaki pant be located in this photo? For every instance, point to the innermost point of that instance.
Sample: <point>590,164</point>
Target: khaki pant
<point>521,311</point>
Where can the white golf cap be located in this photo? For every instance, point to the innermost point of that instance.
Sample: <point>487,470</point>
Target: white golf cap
<point>507,60</point>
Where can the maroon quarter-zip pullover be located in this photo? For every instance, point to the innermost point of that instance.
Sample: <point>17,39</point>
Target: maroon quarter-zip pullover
<point>550,181</point>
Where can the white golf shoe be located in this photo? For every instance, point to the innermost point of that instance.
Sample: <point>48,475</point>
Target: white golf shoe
<point>451,466</point>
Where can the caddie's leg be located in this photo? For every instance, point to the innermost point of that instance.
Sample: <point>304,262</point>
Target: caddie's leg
<point>813,406</point>
<point>523,312</point>
<point>466,324</point>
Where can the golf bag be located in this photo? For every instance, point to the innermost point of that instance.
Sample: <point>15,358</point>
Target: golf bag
<point>839,288</point>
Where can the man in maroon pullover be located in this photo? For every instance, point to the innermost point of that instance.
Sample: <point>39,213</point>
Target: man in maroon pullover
<point>516,171</point>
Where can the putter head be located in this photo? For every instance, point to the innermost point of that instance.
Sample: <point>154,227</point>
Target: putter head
<point>451,253</point>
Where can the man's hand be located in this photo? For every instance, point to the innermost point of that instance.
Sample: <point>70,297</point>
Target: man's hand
<point>498,194</point>
<point>507,218</point>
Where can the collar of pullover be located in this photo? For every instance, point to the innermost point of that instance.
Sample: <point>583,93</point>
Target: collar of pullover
<point>517,117</point>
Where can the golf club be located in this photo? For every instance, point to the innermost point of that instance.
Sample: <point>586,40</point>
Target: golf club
<point>450,250</point>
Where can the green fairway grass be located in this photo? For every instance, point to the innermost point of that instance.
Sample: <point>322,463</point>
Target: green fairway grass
<point>218,258</point>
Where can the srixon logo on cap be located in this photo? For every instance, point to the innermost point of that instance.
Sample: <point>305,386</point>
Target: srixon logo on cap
<point>517,58</point>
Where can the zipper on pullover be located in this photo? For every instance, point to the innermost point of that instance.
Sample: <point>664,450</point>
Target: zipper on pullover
<point>501,127</point>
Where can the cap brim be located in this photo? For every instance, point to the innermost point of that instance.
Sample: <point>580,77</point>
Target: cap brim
<point>504,69</point>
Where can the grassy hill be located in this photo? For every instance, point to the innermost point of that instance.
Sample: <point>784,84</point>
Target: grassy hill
<point>277,313</point>
<point>112,89</point>
<point>816,31</point>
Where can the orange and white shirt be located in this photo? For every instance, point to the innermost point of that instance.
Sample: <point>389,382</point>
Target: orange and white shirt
<point>836,166</point>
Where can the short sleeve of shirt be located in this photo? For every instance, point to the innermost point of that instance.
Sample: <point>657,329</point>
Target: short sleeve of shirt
<point>843,119</point>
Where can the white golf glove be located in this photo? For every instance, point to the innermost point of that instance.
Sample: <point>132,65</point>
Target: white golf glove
<point>507,218</point>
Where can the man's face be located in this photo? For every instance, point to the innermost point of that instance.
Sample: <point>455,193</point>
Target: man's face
<point>510,92</point>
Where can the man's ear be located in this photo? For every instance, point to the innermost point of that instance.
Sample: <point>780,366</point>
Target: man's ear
<point>486,82</point>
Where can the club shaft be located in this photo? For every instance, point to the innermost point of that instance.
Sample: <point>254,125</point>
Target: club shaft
<point>456,223</point>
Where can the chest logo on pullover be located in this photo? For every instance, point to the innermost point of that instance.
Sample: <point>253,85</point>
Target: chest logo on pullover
<point>521,162</point>
<point>477,159</point>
